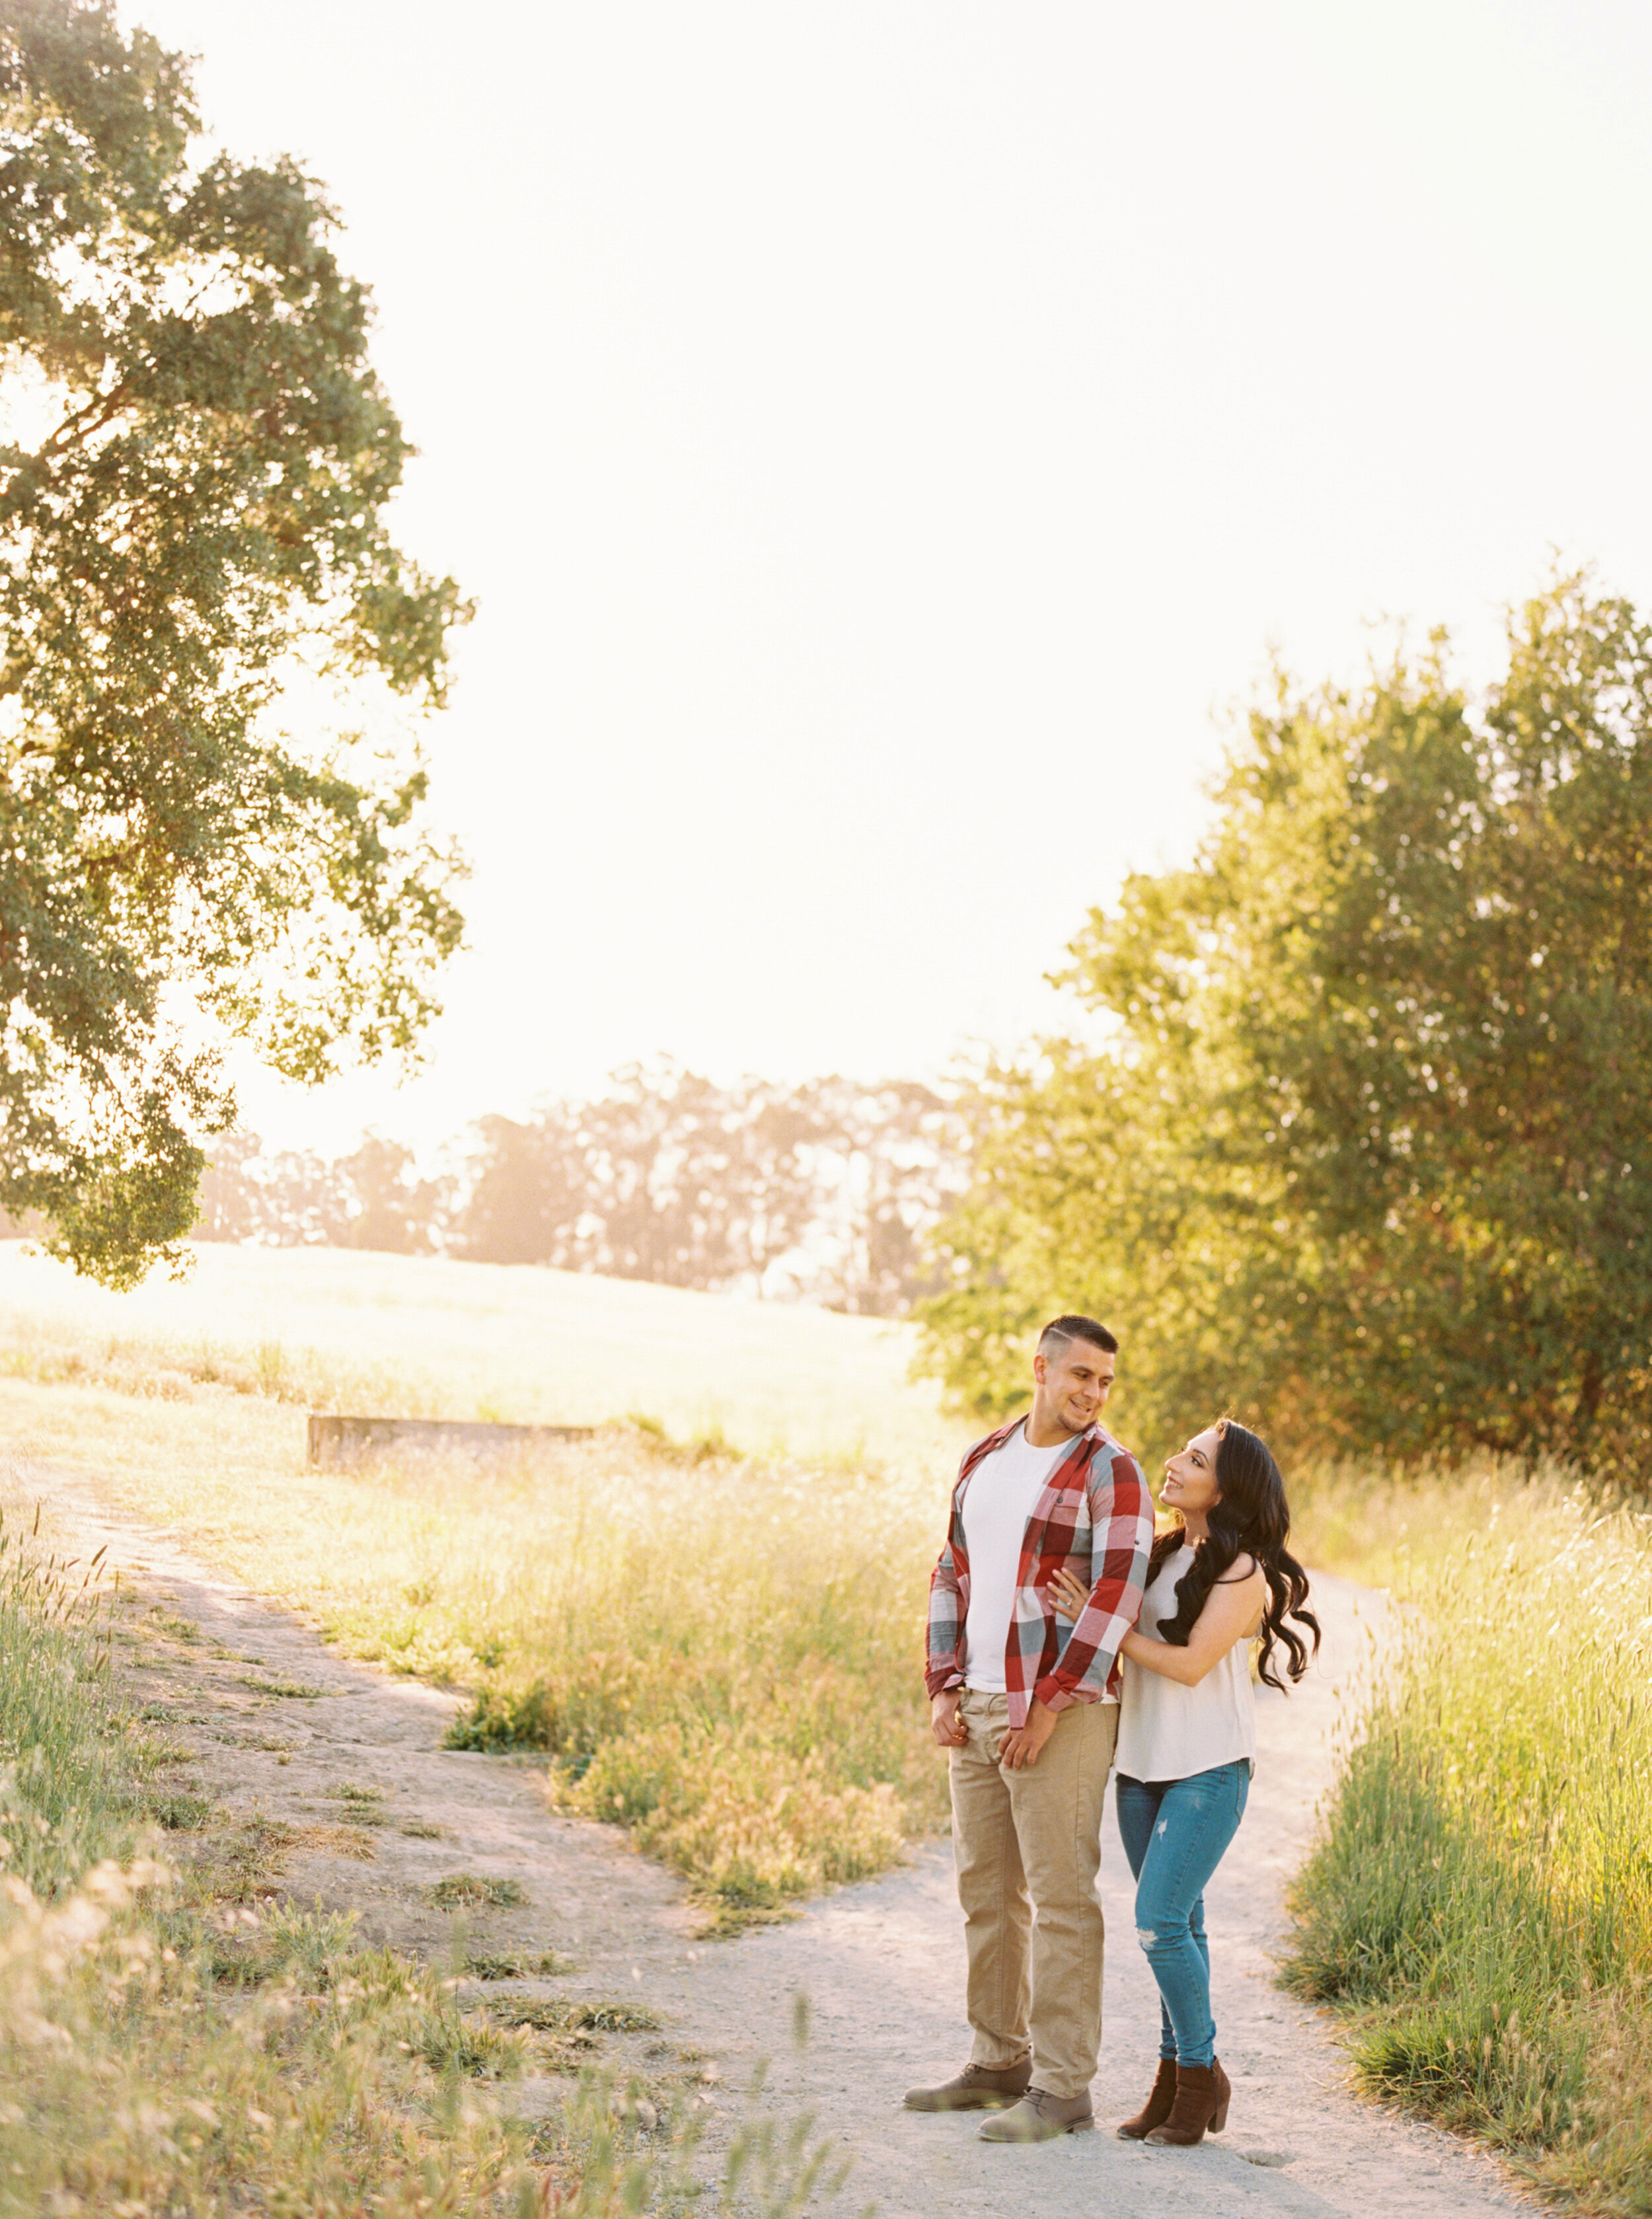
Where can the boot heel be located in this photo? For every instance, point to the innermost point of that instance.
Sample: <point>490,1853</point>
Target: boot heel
<point>1223,2092</point>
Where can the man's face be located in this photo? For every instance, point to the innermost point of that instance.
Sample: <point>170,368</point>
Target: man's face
<point>1073,1385</point>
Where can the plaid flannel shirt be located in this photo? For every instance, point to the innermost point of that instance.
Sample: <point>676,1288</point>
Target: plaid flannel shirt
<point>1095,1517</point>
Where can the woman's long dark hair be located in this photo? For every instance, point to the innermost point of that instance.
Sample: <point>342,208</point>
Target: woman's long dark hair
<point>1253,1518</point>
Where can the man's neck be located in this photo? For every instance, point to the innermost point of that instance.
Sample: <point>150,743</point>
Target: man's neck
<point>1049,1432</point>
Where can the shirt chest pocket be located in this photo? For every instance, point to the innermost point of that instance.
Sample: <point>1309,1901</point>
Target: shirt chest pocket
<point>1068,1531</point>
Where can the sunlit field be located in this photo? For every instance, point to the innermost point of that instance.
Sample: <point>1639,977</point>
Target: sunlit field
<point>711,1631</point>
<point>423,1337</point>
<point>725,1655</point>
<point>722,1651</point>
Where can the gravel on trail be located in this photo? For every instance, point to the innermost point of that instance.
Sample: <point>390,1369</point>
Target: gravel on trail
<point>880,1964</point>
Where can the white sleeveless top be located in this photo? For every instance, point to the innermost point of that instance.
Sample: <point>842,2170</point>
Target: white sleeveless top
<point>1167,1731</point>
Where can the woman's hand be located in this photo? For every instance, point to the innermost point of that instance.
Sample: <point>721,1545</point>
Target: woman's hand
<point>1067,1593</point>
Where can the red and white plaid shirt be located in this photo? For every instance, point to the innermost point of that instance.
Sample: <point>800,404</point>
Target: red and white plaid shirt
<point>1096,1517</point>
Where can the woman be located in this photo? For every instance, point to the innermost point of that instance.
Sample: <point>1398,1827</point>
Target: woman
<point>1187,1735</point>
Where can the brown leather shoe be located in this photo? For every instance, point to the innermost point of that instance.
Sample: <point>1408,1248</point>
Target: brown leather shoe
<point>1157,2108</point>
<point>1039,2117</point>
<point>1201,2094</point>
<point>977,2088</point>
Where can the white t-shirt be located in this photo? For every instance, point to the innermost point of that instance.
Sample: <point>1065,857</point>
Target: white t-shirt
<point>998,1503</point>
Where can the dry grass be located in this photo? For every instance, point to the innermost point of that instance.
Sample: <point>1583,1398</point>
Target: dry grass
<point>726,1657</point>
<point>422,1337</point>
<point>1394,1530</point>
<point>722,1654</point>
<point>135,2082</point>
<point>169,2052</point>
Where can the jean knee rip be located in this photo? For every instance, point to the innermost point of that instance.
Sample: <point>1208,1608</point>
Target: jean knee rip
<point>1170,1936</point>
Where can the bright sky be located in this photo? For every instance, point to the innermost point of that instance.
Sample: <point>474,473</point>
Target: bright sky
<point>880,433</point>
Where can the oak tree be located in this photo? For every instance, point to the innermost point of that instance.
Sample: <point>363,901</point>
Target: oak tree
<point>204,833</point>
<point>1360,1141</point>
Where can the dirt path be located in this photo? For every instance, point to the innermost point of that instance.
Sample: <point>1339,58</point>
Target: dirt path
<point>338,1770</point>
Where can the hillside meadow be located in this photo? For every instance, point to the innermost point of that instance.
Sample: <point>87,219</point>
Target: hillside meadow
<point>343,1329</point>
<point>707,1619</point>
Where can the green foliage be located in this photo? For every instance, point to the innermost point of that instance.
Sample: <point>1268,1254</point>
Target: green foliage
<point>193,481</point>
<point>1363,1148</point>
<point>1479,1903</point>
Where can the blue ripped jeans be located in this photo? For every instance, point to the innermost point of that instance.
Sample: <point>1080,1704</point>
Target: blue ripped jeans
<point>1174,1832</point>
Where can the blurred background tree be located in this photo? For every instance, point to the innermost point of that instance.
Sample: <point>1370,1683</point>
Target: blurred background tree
<point>196,463</point>
<point>1359,1144</point>
<point>823,1192</point>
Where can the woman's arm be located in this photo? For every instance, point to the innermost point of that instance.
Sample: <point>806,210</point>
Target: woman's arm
<point>1229,1614</point>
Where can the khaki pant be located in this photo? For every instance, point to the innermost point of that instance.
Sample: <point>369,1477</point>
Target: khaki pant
<point>1033,1833</point>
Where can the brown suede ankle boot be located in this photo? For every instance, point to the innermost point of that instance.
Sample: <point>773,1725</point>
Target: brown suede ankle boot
<point>1157,2107</point>
<point>1201,2094</point>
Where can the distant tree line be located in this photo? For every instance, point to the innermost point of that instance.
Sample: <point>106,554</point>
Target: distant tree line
<point>1357,1141</point>
<point>824,1192</point>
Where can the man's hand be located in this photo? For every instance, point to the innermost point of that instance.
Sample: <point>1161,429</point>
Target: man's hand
<point>1021,1745</point>
<point>945,1723</point>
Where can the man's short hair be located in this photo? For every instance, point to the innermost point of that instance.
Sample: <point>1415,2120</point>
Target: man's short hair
<point>1062,1331</point>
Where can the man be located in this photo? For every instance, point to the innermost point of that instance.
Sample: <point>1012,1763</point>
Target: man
<point>1026,1704</point>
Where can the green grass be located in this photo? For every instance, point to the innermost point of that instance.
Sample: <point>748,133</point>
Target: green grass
<point>475,1891</point>
<point>64,1802</point>
<point>292,1691</point>
<point>540,1964</point>
<point>168,2051</point>
<point>176,1811</point>
<point>1480,1904</point>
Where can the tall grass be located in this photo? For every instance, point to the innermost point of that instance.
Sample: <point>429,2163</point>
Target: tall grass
<point>62,1803</point>
<point>165,2055</point>
<point>724,1655</point>
<point>1480,1902</point>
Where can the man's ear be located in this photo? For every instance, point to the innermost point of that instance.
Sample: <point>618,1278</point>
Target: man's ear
<point>1040,1367</point>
